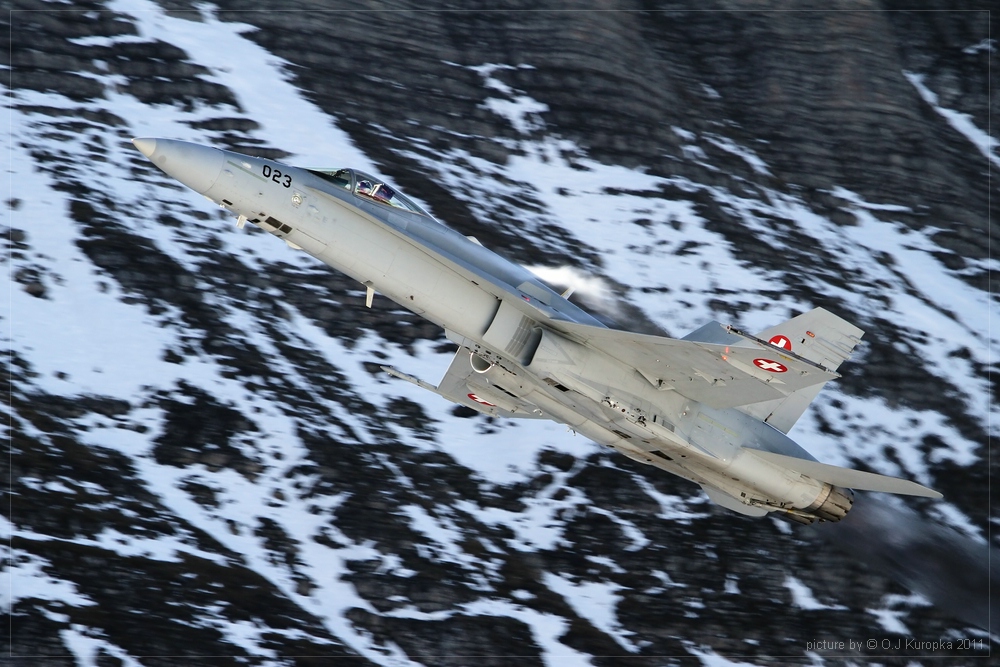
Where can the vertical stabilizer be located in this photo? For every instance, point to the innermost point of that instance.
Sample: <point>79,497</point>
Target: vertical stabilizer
<point>819,336</point>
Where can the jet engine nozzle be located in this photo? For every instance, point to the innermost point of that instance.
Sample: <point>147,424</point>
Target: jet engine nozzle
<point>832,504</point>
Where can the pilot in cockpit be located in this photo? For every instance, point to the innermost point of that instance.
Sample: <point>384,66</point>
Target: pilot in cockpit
<point>383,193</point>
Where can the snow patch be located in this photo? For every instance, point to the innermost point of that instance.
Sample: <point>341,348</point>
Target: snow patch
<point>803,598</point>
<point>594,601</point>
<point>87,645</point>
<point>27,579</point>
<point>742,152</point>
<point>520,110</point>
<point>962,122</point>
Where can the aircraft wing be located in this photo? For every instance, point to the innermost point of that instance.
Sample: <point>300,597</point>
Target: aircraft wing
<point>719,375</point>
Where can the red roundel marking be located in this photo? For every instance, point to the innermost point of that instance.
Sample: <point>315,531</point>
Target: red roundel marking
<point>781,341</point>
<point>481,400</point>
<point>768,365</point>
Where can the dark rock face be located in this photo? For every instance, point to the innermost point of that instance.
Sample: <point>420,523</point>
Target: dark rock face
<point>268,498</point>
<point>817,93</point>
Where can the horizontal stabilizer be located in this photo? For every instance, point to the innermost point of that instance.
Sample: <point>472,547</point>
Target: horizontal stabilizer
<point>846,477</point>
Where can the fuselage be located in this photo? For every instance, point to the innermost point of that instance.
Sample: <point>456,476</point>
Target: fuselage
<point>364,228</point>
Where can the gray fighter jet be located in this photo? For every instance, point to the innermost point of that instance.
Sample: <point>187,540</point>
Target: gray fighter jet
<point>713,407</point>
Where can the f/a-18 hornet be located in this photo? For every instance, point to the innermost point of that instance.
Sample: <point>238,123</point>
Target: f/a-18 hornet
<point>713,407</point>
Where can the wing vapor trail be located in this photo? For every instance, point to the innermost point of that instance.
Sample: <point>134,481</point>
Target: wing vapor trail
<point>596,290</point>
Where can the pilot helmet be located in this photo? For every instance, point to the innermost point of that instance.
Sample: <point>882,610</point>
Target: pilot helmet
<point>365,187</point>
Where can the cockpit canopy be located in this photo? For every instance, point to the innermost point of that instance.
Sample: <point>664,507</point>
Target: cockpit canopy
<point>368,187</point>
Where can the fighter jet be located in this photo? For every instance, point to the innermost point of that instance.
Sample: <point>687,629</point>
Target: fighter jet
<point>713,407</point>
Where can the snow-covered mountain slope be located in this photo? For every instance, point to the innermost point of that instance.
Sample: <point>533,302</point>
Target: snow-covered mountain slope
<point>206,461</point>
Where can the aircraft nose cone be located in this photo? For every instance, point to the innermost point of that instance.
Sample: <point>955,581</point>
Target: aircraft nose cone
<point>197,167</point>
<point>146,146</point>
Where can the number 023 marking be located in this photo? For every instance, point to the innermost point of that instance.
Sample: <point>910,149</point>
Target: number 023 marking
<point>276,176</point>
